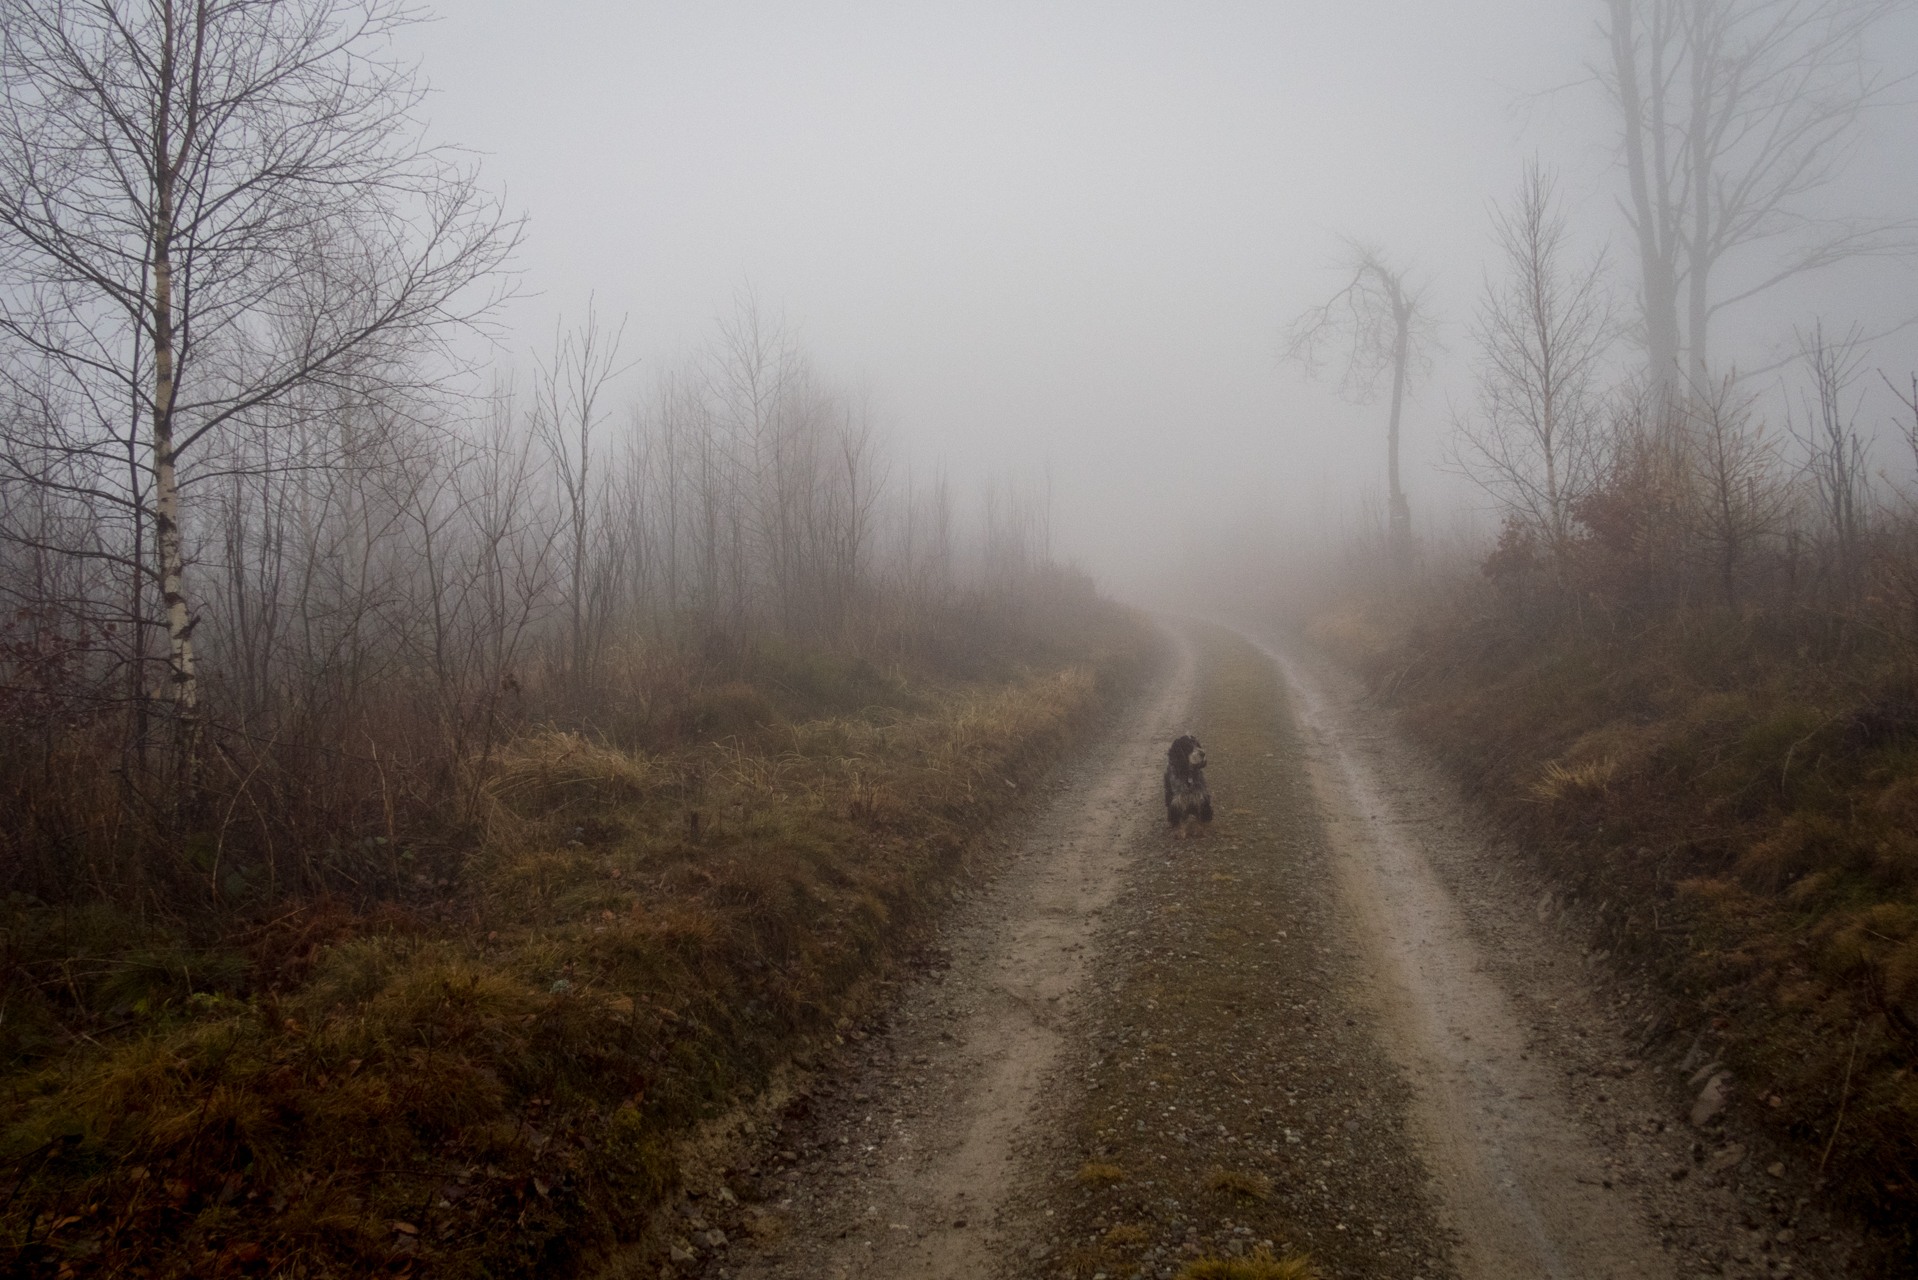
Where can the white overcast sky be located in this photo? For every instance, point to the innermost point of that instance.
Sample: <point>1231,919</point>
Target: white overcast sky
<point>1054,232</point>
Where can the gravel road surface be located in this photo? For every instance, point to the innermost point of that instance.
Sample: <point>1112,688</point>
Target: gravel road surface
<point>1342,1021</point>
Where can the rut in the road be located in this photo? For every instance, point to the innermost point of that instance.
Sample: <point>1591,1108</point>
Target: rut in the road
<point>1527,1189</point>
<point>921,1142</point>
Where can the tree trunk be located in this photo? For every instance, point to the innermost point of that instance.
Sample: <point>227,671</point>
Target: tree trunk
<point>1658,275</point>
<point>1703,39</point>
<point>167,536</point>
<point>1400,520</point>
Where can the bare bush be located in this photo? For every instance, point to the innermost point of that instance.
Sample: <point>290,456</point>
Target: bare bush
<point>1538,442</point>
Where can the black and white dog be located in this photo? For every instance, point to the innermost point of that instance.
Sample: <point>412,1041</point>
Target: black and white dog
<point>1186,795</point>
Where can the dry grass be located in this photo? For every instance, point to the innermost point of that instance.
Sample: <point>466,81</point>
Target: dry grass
<point>1239,1184</point>
<point>1363,635</point>
<point>1557,781</point>
<point>1260,1266</point>
<point>492,1074</point>
<point>1096,1174</point>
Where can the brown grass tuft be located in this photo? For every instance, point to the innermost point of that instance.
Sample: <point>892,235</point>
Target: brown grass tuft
<point>1260,1266</point>
<point>1232,1182</point>
<point>1558,780</point>
<point>1097,1174</point>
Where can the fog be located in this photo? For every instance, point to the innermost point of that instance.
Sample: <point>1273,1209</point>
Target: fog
<point>1067,238</point>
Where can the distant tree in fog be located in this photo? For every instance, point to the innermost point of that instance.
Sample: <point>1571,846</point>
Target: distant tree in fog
<point>1537,442</point>
<point>1734,116</point>
<point>1376,327</point>
<point>568,410</point>
<point>1835,457</point>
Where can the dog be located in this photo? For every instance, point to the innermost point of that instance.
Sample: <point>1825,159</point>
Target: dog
<point>1186,795</point>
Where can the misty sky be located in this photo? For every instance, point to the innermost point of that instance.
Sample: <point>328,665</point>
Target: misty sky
<point>1061,232</point>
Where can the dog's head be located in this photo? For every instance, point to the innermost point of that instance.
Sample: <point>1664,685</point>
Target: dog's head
<point>1186,755</point>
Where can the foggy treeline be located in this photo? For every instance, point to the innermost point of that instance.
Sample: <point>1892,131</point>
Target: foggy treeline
<point>260,535</point>
<point>1638,462</point>
<point>1622,496</point>
<point>384,587</point>
<point>270,574</point>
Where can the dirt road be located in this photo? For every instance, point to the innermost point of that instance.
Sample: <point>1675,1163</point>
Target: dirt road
<point>1340,1023</point>
<point>1527,1190</point>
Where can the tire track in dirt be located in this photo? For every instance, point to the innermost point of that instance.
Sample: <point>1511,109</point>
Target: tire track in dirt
<point>1525,1187</point>
<point>1585,1099</point>
<point>939,1122</point>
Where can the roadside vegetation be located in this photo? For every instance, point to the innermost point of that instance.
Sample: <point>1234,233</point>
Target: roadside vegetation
<point>422,808</point>
<point>1689,683</point>
<point>485,1058</point>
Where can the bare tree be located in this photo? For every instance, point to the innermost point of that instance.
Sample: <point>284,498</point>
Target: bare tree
<point>1376,327</point>
<point>567,410</point>
<point>204,206</point>
<point>1538,441</point>
<point>1734,115</point>
<point>1908,427</point>
<point>1737,496</point>
<point>1835,456</point>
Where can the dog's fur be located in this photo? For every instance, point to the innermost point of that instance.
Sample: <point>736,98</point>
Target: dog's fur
<point>1186,795</point>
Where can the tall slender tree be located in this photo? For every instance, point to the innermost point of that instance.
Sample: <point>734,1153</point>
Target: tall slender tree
<point>1735,117</point>
<point>1543,327</point>
<point>1378,328</point>
<point>568,411</point>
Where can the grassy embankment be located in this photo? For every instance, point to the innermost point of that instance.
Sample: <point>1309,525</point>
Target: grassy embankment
<point>498,1071</point>
<point>1735,798</point>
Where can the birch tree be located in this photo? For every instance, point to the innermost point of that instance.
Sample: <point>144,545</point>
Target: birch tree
<point>205,206</point>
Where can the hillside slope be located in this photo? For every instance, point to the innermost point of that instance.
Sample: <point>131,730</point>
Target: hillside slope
<point>1733,804</point>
